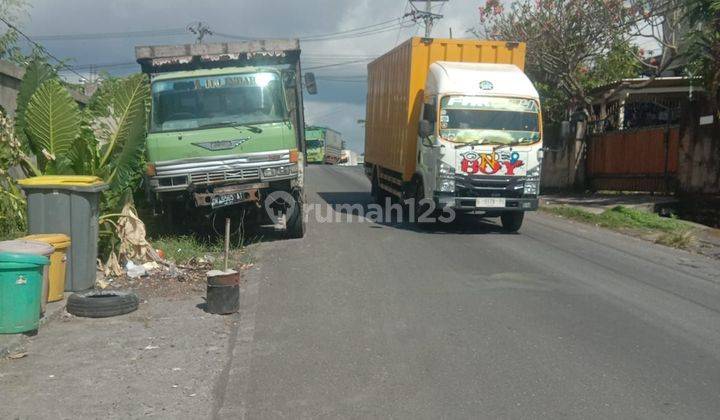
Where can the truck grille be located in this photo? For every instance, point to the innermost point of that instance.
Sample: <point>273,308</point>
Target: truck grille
<point>488,186</point>
<point>220,176</point>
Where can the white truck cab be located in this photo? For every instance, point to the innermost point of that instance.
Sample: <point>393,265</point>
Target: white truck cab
<point>480,140</point>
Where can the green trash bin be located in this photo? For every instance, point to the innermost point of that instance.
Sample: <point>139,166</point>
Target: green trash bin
<point>21,277</point>
<point>68,204</point>
<point>22,246</point>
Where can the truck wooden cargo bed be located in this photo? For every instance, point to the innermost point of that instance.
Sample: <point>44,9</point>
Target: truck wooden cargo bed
<point>162,58</point>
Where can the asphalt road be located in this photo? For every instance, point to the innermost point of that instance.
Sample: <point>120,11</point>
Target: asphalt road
<point>386,320</point>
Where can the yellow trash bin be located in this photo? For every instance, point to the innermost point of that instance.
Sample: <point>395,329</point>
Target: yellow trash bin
<point>58,262</point>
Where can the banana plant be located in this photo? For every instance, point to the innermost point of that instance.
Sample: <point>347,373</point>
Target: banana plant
<point>52,125</point>
<point>105,139</point>
<point>119,124</point>
<point>36,73</point>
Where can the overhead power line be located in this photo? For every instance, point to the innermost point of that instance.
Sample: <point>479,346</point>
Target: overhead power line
<point>40,47</point>
<point>427,16</point>
<point>320,37</point>
<point>110,35</point>
<point>358,34</point>
<point>394,20</point>
<point>338,64</point>
<point>368,30</point>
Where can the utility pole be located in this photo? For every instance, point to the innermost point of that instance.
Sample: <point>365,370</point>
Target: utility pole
<point>427,16</point>
<point>200,30</point>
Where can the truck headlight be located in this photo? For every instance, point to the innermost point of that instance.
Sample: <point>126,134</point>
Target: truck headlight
<point>446,178</point>
<point>268,172</point>
<point>446,185</point>
<point>531,188</point>
<point>532,181</point>
<point>445,170</point>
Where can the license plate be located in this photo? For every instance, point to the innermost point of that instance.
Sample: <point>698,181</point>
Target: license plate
<point>490,202</point>
<point>226,200</point>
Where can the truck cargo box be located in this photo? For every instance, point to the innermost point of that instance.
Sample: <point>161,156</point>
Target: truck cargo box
<point>396,83</point>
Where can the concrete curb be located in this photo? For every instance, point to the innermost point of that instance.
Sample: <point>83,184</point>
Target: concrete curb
<point>14,343</point>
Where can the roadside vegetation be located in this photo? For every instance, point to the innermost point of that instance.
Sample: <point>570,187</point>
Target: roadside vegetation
<point>665,230</point>
<point>188,250</point>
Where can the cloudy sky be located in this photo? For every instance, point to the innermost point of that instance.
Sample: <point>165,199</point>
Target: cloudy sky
<point>341,99</point>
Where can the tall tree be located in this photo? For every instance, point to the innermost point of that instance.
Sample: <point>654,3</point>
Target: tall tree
<point>703,45</point>
<point>575,45</point>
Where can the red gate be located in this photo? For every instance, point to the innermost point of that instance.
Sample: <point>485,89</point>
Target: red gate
<point>634,160</point>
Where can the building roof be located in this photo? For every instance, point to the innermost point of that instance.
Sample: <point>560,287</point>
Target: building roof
<point>645,86</point>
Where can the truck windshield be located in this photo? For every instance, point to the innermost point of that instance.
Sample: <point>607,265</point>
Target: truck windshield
<point>216,101</point>
<point>314,144</point>
<point>489,120</point>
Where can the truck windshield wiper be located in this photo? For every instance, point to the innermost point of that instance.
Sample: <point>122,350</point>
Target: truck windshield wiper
<point>502,146</point>
<point>233,124</point>
<point>471,143</point>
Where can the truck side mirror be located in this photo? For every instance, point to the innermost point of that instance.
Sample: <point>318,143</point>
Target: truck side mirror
<point>425,129</point>
<point>310,84</point>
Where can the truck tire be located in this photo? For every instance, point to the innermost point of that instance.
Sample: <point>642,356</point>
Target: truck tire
<point>512,220</point>
<point>102,303</point>
<point>296,224</point>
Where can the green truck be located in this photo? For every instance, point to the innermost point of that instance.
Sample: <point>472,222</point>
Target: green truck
<point>226,134</point>
<point>323,145</point>
<point>314,145</point>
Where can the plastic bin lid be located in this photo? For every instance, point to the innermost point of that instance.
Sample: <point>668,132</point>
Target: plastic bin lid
<point>21,259</point>
<point>57,240</point>
<point>73,182</point>
<point>22,246</point>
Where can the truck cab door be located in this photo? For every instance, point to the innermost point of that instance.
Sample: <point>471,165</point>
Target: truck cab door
<point>427,151</point>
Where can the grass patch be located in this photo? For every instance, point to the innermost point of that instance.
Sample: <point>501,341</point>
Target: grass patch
<point>182,249</point>
<point>625,218</point>
<point>682,239</point>
<point>186,249</point>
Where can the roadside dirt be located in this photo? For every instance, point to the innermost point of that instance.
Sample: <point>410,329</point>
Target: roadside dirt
<point>189,280</point>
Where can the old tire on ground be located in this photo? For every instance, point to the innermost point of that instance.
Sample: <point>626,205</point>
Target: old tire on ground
<point>512,220</point>
<point>102,303</point>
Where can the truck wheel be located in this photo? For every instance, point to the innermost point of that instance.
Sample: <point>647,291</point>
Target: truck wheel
<point>512,220</point>
<point>296,224</point>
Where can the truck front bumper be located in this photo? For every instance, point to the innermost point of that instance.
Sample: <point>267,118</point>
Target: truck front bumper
<point>446,200</point>
<point>199,173</point>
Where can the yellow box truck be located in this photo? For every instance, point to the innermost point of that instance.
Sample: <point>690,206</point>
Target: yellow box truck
<point>455,122</point>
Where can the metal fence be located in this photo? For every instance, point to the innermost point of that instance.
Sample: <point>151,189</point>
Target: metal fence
<point>644,159</point>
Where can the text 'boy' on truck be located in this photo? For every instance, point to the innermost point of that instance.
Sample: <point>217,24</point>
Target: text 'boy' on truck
<point>458,122</point>
<point>227,130</point>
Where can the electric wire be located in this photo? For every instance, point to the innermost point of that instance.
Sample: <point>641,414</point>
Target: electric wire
<point>40,47</point>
